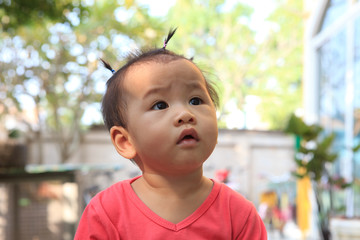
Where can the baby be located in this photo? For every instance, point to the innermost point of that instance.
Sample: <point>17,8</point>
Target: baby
<point>161,113</point>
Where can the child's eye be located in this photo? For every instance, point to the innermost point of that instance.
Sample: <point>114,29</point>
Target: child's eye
<point>160,106</point>
<point>195,101</point>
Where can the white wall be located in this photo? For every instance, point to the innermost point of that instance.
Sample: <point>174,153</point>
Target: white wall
<point>253,157</point>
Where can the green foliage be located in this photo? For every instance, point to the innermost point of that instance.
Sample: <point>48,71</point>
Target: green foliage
<point>14,133</point>
<point>19,13</point>
<point>279,73</point>
<point>315,156</point>
<point>356,148</point>
<point>298,127</point>
<point>314,152</point>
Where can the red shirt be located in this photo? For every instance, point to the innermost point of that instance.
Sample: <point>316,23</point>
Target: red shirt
<point>118,213</point>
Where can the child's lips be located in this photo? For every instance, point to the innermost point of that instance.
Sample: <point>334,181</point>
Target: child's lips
<point>188,135</point>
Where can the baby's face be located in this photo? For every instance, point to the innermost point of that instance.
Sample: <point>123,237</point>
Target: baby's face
<point>171,118</point>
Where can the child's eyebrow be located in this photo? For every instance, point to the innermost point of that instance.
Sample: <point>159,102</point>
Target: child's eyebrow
<point>155,90</point>
<point>165,88</point>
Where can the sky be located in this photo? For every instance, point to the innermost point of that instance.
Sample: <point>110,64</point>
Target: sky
<point>262,8</point>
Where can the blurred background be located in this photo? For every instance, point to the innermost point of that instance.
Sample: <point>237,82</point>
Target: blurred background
<point>288,73</point>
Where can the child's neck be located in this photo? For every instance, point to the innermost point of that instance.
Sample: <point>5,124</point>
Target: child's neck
<point>175,185</point>
<point>173,198</point>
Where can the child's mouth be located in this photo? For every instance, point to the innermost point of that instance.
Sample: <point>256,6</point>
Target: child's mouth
<point>188,136</point>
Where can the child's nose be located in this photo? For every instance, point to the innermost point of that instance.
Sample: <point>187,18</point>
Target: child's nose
<point>184,117</point>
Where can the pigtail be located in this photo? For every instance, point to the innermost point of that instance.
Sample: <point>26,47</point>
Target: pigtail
<point>169,36</point>
<point>107,65</point>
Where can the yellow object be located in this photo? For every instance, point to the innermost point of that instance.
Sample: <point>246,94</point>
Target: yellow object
<point>303,204</point>
<point>270,198</point>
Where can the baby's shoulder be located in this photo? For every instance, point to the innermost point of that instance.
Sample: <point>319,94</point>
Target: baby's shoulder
<point>109,197</point>
<point>112,200</point>
<point>234,200</point>
<point>231,194</point>
<point>113,193</point>
<point>237,207</point>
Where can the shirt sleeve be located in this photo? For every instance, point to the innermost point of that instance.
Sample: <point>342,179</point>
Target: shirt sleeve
<point>254,228</point>
<point>95,225</point>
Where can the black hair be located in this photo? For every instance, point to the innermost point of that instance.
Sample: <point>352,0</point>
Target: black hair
<point>113,104</point>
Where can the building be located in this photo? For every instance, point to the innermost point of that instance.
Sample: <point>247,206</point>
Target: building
<point>332,82</point>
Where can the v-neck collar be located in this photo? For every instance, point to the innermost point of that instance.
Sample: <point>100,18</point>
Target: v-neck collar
<point>165,223</point>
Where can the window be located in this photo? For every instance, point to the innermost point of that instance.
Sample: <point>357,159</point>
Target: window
<point>339,85</point>
<point>334,9</point>
<point>357,113</point>
<point>332,82</point>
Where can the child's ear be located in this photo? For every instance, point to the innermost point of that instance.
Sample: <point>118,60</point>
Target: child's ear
<point>122,142</point>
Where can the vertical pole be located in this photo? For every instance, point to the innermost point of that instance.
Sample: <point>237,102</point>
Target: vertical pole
<point>347,170</point>
<point>16,228</point>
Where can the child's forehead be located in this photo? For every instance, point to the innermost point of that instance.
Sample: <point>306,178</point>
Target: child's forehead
<point>158,78</point>
<point>161,72</point>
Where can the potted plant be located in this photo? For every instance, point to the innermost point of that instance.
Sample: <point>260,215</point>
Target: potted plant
<point>315,158</point>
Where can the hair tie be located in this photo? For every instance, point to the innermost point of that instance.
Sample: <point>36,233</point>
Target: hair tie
<point>107,65</point>
<point>170,34</point>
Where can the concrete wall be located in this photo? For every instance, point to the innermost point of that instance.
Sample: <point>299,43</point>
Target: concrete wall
<point>254,158</point>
